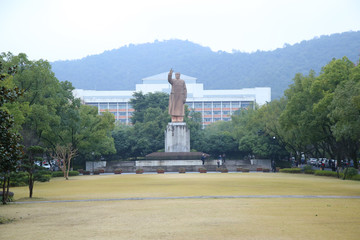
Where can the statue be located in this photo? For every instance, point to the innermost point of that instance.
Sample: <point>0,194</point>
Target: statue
<point>177,97</point>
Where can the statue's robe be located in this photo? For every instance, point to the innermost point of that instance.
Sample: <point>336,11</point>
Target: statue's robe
<point>177,97</point>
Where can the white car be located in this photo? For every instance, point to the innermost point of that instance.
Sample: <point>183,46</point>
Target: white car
<point>46,165</point>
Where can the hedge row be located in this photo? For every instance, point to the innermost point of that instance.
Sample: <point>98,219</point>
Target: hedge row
<point>291,170</point>
<point>351,173</point>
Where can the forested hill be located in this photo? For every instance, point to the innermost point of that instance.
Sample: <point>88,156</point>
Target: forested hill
<point>122,68</point>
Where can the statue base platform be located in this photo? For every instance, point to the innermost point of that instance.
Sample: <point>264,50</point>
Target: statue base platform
<point>177,137</point>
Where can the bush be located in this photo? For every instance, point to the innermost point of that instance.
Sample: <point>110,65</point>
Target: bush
<point>351,172</point>
<point>19,179</point>
<point>61,174</point>
<point>86,173</point>
<point>40,177</point>
<point>327,173</point>
<point>245,170</point>
<point>73,173</point>
<point>356,177</point>
<point>118,171</point>
<point>290,170</point>
<point>139,171</point>
<point>182,170</point>
<point>308,169</point>
<point>57,174</point>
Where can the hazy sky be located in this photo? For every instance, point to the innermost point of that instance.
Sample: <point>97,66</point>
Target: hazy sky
<point>72,29</point>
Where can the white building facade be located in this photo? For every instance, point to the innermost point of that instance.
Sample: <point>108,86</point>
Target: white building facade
<point>214,105</point>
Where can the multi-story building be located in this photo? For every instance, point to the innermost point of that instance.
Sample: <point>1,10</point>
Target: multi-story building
<point>214,105</point>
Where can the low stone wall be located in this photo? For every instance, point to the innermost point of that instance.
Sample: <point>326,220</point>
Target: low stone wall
<point>174,165</point>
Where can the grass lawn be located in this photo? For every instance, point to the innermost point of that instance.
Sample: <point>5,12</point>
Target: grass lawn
<point>211,218</point>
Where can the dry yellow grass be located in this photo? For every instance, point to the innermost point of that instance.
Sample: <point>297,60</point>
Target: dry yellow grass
<point>244,218</point>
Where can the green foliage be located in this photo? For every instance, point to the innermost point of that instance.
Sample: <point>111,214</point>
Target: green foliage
<point>42,177</point>
<point>328,173</point>
<point>74,173</point>
<point>58,174</point>
<point>10,148</point>
<point>290,170</point>
<point>356,177</point>
<point>19,179</point>
<point>351,172</point>
<point>308,169</point>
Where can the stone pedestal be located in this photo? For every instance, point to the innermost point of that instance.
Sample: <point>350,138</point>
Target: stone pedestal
<point>177,138</point>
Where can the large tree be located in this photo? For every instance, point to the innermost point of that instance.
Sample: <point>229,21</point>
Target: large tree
<point>10,148</point>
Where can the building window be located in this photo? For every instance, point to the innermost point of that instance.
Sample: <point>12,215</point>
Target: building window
<point>112,106</point>
<point>235,104</point>
<point>226,104</point>
<point>122,105</point>
<point>217,112</point>
<point>207,105</point>
<point>207,113</point>
<point>217,104</point>
<point>103,106</point>
<point>226,112</point>
<point>198,105</point>
<point>122,113</point>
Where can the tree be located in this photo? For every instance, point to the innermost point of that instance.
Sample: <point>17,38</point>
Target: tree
<point>29,164</point>
<point>63,156</point>
<point>10,148</point>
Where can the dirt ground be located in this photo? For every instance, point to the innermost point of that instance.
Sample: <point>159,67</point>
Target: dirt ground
<point>211,218</point>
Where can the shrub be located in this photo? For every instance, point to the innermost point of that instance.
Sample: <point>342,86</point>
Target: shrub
<point>266,170</point>
<point>351,172</point>
<point>10,196</point>
<point>139,171</point>
<point>86,173</point>
<point>57,174</point>
<point>96,172</point>
<point>73,173</point>
<point>239,169</point>
<point>308,169</point>
<point>245,170</point>
<point>356,177</point>
<point>42,177</point>
<point>327,173</point>
<point>259,169</point>
<point>290,170</point>
<point>182,170</point>
<point>118,171</point>
<point>19,179</point>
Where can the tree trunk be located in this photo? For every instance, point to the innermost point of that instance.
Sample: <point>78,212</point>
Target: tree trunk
<point>31,185</point>
<point>4,195</point>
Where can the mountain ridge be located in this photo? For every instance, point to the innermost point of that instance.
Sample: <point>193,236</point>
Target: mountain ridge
<point>122,68</point>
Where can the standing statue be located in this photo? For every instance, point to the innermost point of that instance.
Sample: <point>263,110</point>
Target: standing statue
<point>177,97</point>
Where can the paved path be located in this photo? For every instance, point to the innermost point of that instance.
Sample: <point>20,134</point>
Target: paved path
<point>195,197</point>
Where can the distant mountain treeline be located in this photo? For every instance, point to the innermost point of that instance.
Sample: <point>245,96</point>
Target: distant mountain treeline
<point>122,68</point>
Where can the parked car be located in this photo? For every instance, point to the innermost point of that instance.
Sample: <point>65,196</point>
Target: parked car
<point>46,165</point>
<point>313,161</point>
